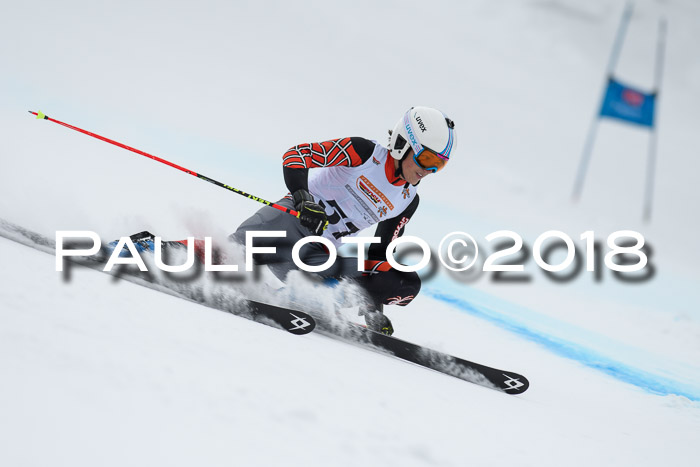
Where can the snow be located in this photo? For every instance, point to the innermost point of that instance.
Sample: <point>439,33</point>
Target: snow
<point>104,371</point>
<point>94,371</point>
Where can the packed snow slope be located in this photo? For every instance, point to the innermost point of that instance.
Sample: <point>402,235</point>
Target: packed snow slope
<point>94,371</point>
<point>98,372</point>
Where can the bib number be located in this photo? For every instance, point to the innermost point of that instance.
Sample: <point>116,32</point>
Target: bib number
<point>336,216</point>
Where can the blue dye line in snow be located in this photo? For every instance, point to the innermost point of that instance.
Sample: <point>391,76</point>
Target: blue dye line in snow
<point>650,382</point>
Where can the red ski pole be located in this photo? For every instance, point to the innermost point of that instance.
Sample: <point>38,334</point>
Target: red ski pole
<point>40,115</point>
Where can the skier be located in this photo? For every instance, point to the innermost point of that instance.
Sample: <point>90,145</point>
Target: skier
<point>361,184</point>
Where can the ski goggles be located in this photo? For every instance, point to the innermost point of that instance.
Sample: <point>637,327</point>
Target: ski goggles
<point>430,160</point>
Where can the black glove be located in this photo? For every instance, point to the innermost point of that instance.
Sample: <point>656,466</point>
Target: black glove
<point>311,215</point>
<point>378,322</point>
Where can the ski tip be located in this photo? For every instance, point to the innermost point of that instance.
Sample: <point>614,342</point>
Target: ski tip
<point>514,383</point>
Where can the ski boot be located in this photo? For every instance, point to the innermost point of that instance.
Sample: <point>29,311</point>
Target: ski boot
<point>376,320</point>
<point>143,241</point>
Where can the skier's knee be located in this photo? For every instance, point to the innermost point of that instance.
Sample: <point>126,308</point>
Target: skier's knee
<point>408,287</point>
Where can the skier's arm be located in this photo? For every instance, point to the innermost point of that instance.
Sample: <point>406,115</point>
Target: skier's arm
<point>389,230</point>
<point>297,161</point>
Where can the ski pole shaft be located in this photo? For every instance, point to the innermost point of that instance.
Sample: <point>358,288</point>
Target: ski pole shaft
<point>40,115</point>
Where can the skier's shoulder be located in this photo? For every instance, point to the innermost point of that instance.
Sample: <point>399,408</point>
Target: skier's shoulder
<point>364,148</point>
<point>350,151</point>
<point>361,151</point>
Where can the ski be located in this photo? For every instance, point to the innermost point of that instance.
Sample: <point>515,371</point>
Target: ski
<point>336,327</point>
<point>482,375</point>
<point>294,321</point>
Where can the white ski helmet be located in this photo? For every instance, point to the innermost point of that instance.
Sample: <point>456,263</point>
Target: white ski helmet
<point>427,131</point>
